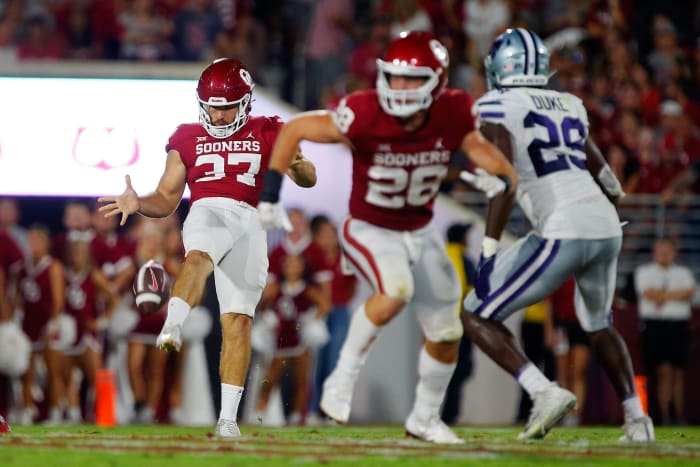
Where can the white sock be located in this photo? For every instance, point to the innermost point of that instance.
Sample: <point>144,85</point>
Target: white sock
<point>230,398</point>
<point>361,334</point>
<point>632,407</point>
<point>178,309</point>
<point>531,379</point>
<point>433,378</point>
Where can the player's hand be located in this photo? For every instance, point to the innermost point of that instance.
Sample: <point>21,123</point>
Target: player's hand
<point>125,204</point>
<point>491,185</point>
<point>483,273</point>
<point>273,216</point>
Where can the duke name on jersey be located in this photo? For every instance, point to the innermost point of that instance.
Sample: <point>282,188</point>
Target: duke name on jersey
<point>226,167</point>
<point>548,130</point>
<point>397,173</point>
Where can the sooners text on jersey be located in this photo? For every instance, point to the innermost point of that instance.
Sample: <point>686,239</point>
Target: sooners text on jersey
<point>396,173</point>
<point>229,167</point>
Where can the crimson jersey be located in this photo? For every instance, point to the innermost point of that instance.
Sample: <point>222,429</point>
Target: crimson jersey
<point>343,286</point>
<point>227,167</point>
<point>316,268</point>
<point>35,288</point>
<point>289,305</point>
<point>59,242</point>
<point>11,256</point>
<point>562,301</point>
<point>112,253</point>
<point>396,173</point>
<point>81,300</point>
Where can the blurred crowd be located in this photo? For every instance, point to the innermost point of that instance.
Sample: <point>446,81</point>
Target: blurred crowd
<point>636,65</point>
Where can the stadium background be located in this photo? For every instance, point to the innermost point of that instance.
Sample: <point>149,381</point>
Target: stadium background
<point>635,64</point>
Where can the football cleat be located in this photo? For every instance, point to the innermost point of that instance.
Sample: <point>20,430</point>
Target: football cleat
<point>170,338</point>
<point>432,430</point>
<point>336,398</point>
<point>549,406</point>
<point>227,429</point>
<point>640,430</point>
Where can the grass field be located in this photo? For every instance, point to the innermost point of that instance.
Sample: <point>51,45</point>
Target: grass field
<point>170,446</point>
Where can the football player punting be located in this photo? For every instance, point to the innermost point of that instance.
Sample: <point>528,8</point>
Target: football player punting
<point>402,136</point>
<point>568,191</point>
<point>222,160</point>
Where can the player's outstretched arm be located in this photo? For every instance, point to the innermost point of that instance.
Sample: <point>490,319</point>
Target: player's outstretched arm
<point>160,203</point>
<point>500,206</point>
<point>491,157</point>
<point>316,126</point>
<point>602,173</point>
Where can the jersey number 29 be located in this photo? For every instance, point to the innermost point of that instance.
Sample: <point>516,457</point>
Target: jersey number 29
<point>560,161</point>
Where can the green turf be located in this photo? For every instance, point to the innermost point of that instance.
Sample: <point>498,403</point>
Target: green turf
<point>170,446</point>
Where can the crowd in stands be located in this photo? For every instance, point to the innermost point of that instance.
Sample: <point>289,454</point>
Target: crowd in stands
<point>635,65</point>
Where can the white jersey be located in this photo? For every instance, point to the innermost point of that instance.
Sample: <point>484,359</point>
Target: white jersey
<point>556,191</point>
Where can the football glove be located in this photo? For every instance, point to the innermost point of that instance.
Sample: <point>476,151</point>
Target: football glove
<point>482,284</point>
<point>273,216</point>
<point>483,272</point>
<point>491,185</point>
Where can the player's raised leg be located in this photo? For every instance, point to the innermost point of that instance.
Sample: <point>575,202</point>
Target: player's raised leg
<point>366,322</point>
<point>187,292</point>
<point>378,256</point>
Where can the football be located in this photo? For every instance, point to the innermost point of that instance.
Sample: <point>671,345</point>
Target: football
<point>151,287</point>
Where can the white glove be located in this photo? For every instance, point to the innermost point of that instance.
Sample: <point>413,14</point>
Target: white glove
<point>314,332</point>
<point>273,216</point>
<point>491,185</point>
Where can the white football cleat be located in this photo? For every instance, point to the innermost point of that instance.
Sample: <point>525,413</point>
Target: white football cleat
<point>640,430</point>
<point>432,430</point>
<point>549,406</point>
<point>227,429</point>
<point>336,398</point>
<point>170,338</point>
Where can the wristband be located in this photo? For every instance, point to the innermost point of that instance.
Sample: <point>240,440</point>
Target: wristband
<point>489,246</point>
<point>505,180</point>
<point>272,182</point>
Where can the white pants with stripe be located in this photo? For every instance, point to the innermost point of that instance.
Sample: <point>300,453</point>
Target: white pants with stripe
<point>534,267</point>
<point>229,232</point>
<point>412,266</point>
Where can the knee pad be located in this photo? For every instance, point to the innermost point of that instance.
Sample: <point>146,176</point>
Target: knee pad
<point>443,324</point>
